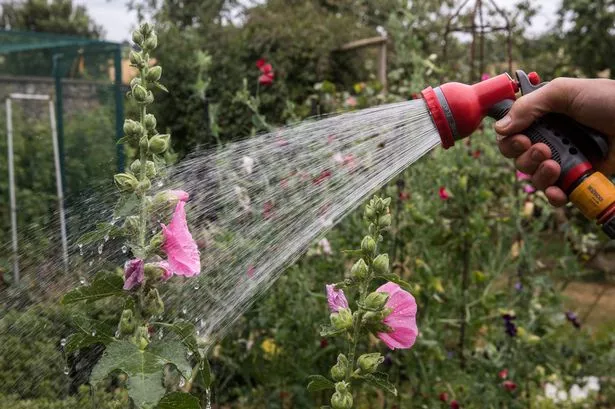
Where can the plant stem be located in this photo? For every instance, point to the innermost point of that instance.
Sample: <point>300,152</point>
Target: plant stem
<point>464,286</point>
<point>143,173</point>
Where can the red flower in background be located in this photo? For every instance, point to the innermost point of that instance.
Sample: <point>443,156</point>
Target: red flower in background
<point>503,374</point>
<point>454,405</point>
<point>443,397</point>
<point>267,72</point>
<point>444,195</point>
<point>325,174</point>
<point>403,196</point>
<point>509,385</point>
<point>476,154</point>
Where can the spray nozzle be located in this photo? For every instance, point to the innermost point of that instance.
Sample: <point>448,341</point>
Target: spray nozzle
<point>457,109</point>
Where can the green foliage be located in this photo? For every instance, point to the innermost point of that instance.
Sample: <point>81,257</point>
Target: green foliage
<point>105,284</point>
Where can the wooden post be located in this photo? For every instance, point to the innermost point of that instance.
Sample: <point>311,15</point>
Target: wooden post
<point>382,57</point>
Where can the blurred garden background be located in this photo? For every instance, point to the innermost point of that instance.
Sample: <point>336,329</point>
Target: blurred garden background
<point>477,244</point>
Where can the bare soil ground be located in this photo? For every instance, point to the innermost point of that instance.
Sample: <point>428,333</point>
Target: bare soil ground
<point>595,299</point>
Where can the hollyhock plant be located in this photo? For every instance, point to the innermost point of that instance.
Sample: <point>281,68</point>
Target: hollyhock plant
<point>137,291</point>
<point>388,312</point>
<point>402,318</point>
<point>267,74</point>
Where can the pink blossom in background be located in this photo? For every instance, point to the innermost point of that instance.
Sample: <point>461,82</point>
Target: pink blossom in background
<point>267,209</point>
<point>444,195</point>
<point>485,77</point>
<point>336,298</point>
<point>133,273</point>
<point>330,138</point>
<point>503,374</point>
<point>351,102</point>
<point>401,320</point>
<point>523,176</point>
<point>325,246</point>
<point>267,72</point>
<point>251,271</point>
<point>529,189</point>
<point>324,175</point>
<point>181,249</point>
<point>260,63</point>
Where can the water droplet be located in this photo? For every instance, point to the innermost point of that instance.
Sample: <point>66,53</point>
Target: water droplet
<point>82,281</point>
<point>66,370</point>
<point>63,342</point>
<point>153,231</point>
<point>182,382</point>
<point>124,249</point>
<point>81,249</point>
<point>117,333</point>
<point>198,332</point>
<point>160,184</point>
<point>208,391</point>
<point>196,287</point>
<point>184,310</point>
<point>106,237</point>
<point>94,333</point>
<point>90,263</point>
<point>160,334</point>
<point>100,248</point>
<point>190,353</point>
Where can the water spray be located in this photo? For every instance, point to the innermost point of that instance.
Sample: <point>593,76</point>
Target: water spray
<point>458,109</point>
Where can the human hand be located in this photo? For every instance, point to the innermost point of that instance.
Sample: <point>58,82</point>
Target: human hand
<point>590,102</point>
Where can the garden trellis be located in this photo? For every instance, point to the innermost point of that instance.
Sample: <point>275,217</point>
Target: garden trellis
<point>76,76</point>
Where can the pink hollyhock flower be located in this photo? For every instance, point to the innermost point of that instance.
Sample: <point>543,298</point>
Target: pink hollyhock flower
<point>351,102</point>
<point>260,63</point>
<point>133,273</point>
<point>485,77</point>
<point>401,320</point>
<point>180,195</point>
<point>181,249</point>
<point>325,246</point>
<point>251,271</point>
<point>523,176</point>
<point>444,195</point>
<point>267,72</point>
<point>265,79</point>
<point>166,270</point>
<point>454,404</point>
<point>267,209</point>
<point>529,189</point>
<point>336,298</point>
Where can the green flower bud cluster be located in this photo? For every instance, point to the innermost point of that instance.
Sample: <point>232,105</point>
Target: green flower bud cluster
<point>340,369</point>
<point>368,363</point>
<point>342,398</point>
<point>342,319</point>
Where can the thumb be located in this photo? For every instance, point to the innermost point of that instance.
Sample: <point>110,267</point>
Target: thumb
<point>556,96</point>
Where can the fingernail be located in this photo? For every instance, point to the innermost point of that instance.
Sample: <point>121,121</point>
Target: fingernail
<point>517,146</point>
<point>537,156</point>
<point>499,137</point>
<point>504,122</point>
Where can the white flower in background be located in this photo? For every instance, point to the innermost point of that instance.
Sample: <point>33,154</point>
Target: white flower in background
<point>561,396</point>
<point>242,196</point>
<point>248,164</point>
<point>578,394</point>
<point>592,383</point>
<point>551,391</point>
<point>325,246</point>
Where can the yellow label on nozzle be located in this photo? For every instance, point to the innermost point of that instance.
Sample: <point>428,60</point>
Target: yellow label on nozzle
<point>594,195</point>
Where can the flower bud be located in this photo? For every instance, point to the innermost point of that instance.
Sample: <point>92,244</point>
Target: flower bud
<point>368,245</point>
<point>141,338</point>
<point>135,81</point>
<point>144,143</point>
<point>376,300</point>
<point>342,319</point>
<point>137,37</point>
<point>135,166</point>
<point>136,59</point>
<point>140,93</point>
<point>144,185</point>
<point>153,272</point>
<point>153,304</point>
<point>369,211</point>
<point>342,398</point>
<point>385,220</point>
<point>386,203</point>
<point>150,42</point>
<point>154,73</point>
<point>126,182</point>
<point>131,224</point>
<point>359,269</point>
<point>150,122</point>
<point>150,169</point>
<point>149,98</point>
<point>381,264</point>
<point>132,128</point>
<point>146,29</point>
<point>127,322</point>
<point>156,241</point>
<point>340,369</point>
<point>368,363</point>
<point>159,143</point>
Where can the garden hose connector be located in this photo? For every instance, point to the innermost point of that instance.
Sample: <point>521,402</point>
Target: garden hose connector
<point>458,109</point>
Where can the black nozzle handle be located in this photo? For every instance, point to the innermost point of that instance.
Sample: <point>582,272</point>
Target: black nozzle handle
<point>561,134</point>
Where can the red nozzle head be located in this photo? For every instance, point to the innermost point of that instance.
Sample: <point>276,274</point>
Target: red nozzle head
<point>458,109</point>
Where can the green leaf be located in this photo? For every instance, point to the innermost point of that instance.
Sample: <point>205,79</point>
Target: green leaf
<point>186,333</point>
<point>160,86</point>
<point>143,367</point>
<point>179,400</point>
<point>126,206</point>
<point>204,377</point>
<point>105,284</point>
<point>329,331</point>
<point>395,279</point>
<point>380,380</point>
<point>319,383</point>
<point>102,230</point>
<point>91,332</point>
<point>122,140</point>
